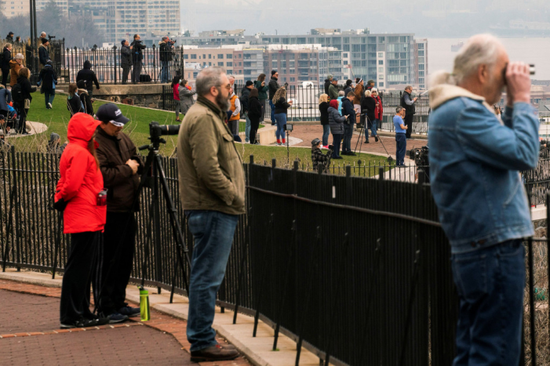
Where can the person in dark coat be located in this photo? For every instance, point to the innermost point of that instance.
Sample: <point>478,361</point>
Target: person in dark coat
<point>47,82</point>
<point>125,60</point>
<point>9,37</point>
<point>165,56</point>
<point>24,106</point>
<point>137,57</point>
<point>323,108</point>
<point>74,104</point>
<point>348,87</point>
<point>88,75</point>
<point>336,122</point>
<point>85,98</point>
<point>245,94</point>
<point>328,81</point>
<point>368,107</point>
<point>5,65</point>
<point>263,88</point>
<point>43,52</point>
<point>320,160</point>
<point>348,110</point>
<point>273,87</point>
<point>255,113</point>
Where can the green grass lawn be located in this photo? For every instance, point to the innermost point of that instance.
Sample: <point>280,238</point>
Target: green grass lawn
<point>58,117</point>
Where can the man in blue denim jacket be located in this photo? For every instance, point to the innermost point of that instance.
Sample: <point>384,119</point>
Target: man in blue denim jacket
<point>483,208</point>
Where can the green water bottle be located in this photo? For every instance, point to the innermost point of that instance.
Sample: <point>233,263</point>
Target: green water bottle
<point>144,304</point>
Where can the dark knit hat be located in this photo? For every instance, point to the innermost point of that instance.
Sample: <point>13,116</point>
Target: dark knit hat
<point>273,72</point>
<point>44,40</point>
<point>248,83</point>
<point>122,42</point>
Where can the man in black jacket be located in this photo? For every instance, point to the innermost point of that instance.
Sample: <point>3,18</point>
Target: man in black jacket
<point>137,57</point>
<point>120,164</point>
<point>273,87</point>
<point>166,46</point>
<point>88,75</point>
<point>328,81</point>
<point>5,65</point>
<point>349,110</point>
<point>407,102</point>
<point>125,60</point>
<point>245,93</point>
<point>43,52</point>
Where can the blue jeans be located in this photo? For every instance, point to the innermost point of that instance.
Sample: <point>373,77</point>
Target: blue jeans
<point>490,284</point>
<point>164,72</point>
<point>336,139</point>
<point>213,233</point>
<point>280,118</point>
<point>247,128</point>
<point>272,111</point>
<point>400,148</point>
<point>326,132</point>
<point>48,96</point>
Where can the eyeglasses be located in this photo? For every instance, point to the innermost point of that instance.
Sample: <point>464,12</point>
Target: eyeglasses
<point>228,86</point>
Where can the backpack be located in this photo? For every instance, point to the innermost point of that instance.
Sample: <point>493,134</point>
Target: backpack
<point>17,93</point>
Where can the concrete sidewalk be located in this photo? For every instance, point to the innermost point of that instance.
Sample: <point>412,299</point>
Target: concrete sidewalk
<point>32,315</point>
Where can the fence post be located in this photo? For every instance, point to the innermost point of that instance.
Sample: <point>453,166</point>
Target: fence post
<point>381,173</point>
<point>251,159</point>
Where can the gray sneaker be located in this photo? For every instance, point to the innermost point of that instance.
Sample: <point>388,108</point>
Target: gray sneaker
<point>117,318</point>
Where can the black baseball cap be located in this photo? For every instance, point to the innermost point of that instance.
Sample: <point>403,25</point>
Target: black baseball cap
<point>110,113</point>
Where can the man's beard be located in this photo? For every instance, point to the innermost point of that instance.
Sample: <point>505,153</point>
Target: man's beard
<point>222,102</point>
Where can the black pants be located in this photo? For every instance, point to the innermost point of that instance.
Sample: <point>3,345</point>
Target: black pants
<point>348,134</point>
<point>5,74</point>
<point>409,124</point>
<point>125,71</point>
<point>116,256</point>
<point>75,289</point>
<point>22,113</point>
<point>136,71</point>
<point>336,139</point>
<point>254,124</point>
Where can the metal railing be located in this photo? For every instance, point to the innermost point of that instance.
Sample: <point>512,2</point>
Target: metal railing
<point>355,269</point>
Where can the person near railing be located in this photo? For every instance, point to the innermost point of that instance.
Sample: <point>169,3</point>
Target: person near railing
<point>212,190</point>
<point>44,52</point>
<point>120,165</point>
<point>378,109</point>
<point>328,81</point>
<point>15,66</point>
<point>333,89</point>
<point>368,107</point>
<point>47,81</point>
<point>255,112</point>
<point>341,96</point>
<point>137,57</point>
<point>74,103</point>
<point>89,77</point>
<point>482,205</point>
<point>336,122</point>
<point>85,98</point>
<point>348,110</point>
<point>318,159</point>
<point>23,103</point>
<point>323,109</point>
<point>176,95</point>
<point>166,47</point>
<point>273,88</point>
<point>186,96</point>
<point>400,133</point>
<point>359,92</point>
<point>262,93</point>
<point>5,63</point>
<point>281,106</point>
<point>234,112</point>
<point>408,102</point>
<point>125,59</point>
<point>348,87</point>
<point>245,94</point>
<point>80,196</point>
<point>9,38</point>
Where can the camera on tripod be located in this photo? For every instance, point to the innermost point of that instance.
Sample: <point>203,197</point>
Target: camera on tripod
<point>156,131</point>
<point>420,156</point>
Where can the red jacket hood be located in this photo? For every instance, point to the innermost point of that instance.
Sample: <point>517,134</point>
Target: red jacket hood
<point>82,127</point>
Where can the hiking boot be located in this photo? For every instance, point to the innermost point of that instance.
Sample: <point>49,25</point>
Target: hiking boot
<point>129,311</point>
<point>115,318</point>
<point>214,353</point>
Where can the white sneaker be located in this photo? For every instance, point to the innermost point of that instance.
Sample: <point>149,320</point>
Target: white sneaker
<point>50,105</point>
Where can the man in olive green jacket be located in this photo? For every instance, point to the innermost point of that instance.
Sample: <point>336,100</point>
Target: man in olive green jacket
<point>211,180</point>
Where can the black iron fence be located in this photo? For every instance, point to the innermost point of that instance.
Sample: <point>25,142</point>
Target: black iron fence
<point>106,63</point>
<point>355,269</point>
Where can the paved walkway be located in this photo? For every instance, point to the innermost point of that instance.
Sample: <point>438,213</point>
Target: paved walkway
<point>30,335</point>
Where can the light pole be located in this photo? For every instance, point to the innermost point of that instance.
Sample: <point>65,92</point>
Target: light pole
<point>33,36</point>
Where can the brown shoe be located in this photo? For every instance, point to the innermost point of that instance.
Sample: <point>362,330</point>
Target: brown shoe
<point>214,353</point>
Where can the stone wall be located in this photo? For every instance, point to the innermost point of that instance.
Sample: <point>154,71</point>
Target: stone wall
<point>143,95</point>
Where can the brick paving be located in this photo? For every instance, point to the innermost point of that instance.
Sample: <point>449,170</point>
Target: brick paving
<point>30,335</point>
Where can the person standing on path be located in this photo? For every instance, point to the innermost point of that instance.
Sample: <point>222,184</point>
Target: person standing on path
<point>273,87</point>
<point>47,82</point>
<point>245,94</point>
<point>176,94</point>
<point>262,93</point>
<point>281,107</point>
<point>483,208</point>
<point>186,96</point>
<point>234,112</point>
<point>407,102</point>
<point>5,64</point>
<point>336,122</point>
<point>400,139</point>
<point>323,109</point>
<point>212,190</point>
<point>125,60</point>
<point>80,196</point>
<point>120,166</point>
<point>348,110</point>
<point>255,112</point>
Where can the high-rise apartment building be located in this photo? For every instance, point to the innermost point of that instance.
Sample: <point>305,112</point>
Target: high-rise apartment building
<point>13,8</point>
<point>421,58</point>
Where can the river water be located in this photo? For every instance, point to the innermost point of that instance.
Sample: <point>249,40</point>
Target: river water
<point>530,50</point>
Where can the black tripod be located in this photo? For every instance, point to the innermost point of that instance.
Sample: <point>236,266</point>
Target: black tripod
<point>153,169</point>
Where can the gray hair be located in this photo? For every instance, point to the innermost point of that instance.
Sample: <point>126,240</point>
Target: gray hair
<point>341,93</point>
<point>482,49</point>
<point>207,78</point>
<point>398,109</point>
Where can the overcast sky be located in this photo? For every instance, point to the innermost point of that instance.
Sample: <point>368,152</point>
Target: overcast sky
<point>425,18</point>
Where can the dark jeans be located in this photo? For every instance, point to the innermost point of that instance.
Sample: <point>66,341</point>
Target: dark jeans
<point>400,148</point>
<point>272,112</point>
<point>326,132</point>
<point>116,256</point>
<point>164,72</point>
<point>409,124</point>
<point>247,128</point>
<point>48,97</point>
<point>22,113</point>
<point>136,72</point>
<point>490,284</point>
<point>5,74</point>
<point>336,138</point>
<point>348,133</point>
<point>75,289</point>
<point>254,124</point>
<point>213,232</point>
<point>262,103</point>
<point>125,71</point>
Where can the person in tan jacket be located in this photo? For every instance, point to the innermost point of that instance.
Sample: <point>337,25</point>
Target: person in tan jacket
<point>15,65</point>
<point>359,89</point>
<point>211,184</point>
